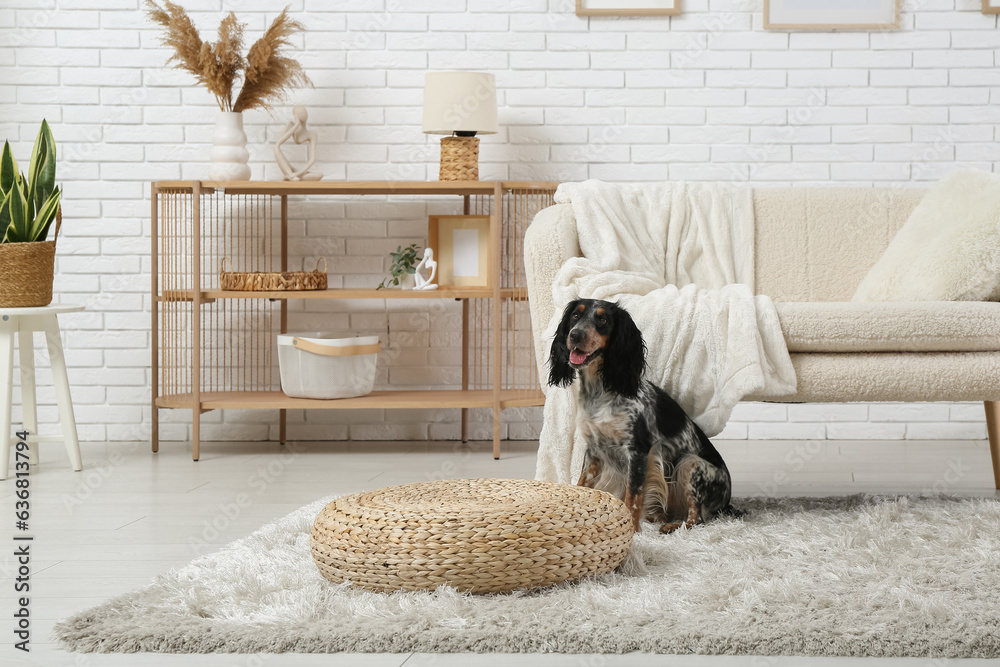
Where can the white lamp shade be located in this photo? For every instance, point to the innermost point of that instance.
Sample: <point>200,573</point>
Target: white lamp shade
<point>460,102</point>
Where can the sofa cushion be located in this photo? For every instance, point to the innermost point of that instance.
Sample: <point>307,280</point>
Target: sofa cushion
<point>916,326</point>
<point>949,248</point>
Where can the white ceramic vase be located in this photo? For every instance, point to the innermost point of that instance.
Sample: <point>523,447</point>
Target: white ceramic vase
<point>229,152</point>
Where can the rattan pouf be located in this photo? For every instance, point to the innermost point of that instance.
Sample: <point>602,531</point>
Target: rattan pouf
<point>475,535</point>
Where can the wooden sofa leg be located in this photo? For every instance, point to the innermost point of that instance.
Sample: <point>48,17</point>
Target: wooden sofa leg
<point>993,430</point>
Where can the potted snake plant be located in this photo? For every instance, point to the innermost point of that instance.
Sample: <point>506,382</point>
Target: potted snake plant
<point>29,204</point>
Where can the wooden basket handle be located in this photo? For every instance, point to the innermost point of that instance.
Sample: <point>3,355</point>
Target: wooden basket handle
<point>321,259</point>
<point>330,351</point>
<point>222,266</point>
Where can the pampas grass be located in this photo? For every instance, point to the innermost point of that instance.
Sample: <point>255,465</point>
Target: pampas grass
<point>225,56</point>
<point>267,75</point>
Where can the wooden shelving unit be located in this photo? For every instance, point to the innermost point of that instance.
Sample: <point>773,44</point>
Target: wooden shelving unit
<point>215,349</point>
<point>441,398</point>
<point>448,293</point>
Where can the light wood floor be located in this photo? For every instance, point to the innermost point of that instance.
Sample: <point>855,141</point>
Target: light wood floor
<point>131,515</point>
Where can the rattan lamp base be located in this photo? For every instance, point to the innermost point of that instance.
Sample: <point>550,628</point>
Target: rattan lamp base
<point>459,159</point>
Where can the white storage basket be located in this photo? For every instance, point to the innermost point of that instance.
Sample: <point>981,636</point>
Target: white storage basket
<point>316,365</point>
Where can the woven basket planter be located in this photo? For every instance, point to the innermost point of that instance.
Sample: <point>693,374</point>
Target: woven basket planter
<point>274,281</point>
<point>475,535</point>
<point>459,159</point>
<point>28,270</point>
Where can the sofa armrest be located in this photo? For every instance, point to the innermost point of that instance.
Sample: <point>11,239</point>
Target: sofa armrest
<point>548,242</point>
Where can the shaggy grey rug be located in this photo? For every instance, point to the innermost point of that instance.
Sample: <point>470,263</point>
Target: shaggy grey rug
<point>854,576</point>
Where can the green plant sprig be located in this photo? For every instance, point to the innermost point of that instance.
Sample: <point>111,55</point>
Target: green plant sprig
<point>404,262</point>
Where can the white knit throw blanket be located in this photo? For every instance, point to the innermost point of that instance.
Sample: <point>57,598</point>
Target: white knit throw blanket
<point>679,257</point>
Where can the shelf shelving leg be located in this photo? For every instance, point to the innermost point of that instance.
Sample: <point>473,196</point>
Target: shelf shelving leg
<point>465,366</point>
<point>283,414</point>
<point>196,321</point>
<point>195,434</point>
<point>154,308</point>
<point>495,223</point>
<point>466,201</point>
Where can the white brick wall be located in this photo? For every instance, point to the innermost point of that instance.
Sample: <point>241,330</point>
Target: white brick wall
<point>705,96</point>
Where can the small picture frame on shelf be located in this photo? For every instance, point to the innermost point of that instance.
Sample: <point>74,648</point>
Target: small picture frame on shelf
<point>991,6</point>
<point>461,244</point>
<point>628,7</point>
<point>831,15</point>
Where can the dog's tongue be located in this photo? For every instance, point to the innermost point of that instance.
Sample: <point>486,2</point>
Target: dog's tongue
<point>577,357</point>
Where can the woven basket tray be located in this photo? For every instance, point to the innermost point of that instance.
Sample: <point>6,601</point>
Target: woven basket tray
<point>259,281</point>
<point>476,535</point>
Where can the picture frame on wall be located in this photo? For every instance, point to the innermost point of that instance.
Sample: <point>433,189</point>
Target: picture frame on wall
<point>991,6</point>
<point>628,7</point>
<point>461,245</point>
<point>831,15</point>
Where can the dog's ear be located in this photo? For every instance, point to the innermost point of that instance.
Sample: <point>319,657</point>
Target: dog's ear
<point>625,357</point>
<point>561,374</point>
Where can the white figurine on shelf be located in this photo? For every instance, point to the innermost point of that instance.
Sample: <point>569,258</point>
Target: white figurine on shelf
<point>297,131</point>
<point>428,264</point>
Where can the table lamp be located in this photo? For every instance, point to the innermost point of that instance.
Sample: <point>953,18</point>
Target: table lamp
<point>460,104</point>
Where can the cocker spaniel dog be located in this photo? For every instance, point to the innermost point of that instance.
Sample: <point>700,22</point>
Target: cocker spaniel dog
<point>641,446</point>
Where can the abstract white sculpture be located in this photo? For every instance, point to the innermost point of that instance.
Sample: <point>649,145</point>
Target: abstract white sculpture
<point>297,131</point>
<point>428,264</point>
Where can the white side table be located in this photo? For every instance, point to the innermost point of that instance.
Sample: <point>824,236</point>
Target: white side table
<point>24,321</point>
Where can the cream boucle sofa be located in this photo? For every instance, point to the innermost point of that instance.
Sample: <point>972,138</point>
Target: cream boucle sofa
<point>813,247</point>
